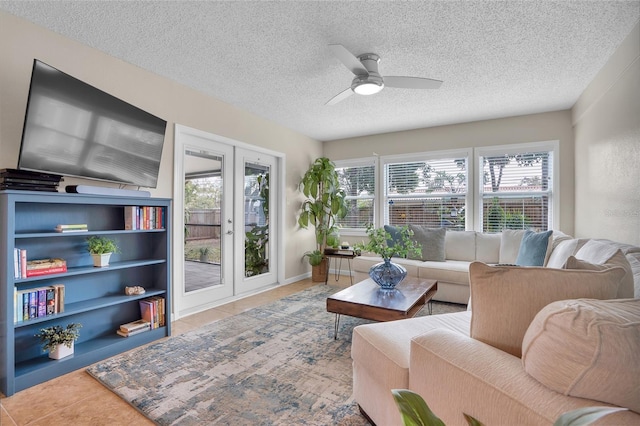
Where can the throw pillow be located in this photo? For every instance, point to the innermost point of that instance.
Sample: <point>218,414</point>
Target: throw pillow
<point>534,248</point>
<point>394,232</point>
<point>607,254</point>
<point>587,349</point>
<point>432,242</point>
<point>561,252</point>
<point>507,298</point>
<point>510,245</point>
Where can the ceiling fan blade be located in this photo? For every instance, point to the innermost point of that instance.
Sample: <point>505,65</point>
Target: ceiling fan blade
<point>348,59</point>
<point>411,82</point>
<point>340,96</point>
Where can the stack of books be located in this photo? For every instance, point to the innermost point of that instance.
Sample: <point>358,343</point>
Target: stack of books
<point>25,180</point>
<point>38,302</point>
<point>45,267</point>
<point>133,328</point>
<point>24,268</point>
<point>78,227</point>
<point>153,311</point>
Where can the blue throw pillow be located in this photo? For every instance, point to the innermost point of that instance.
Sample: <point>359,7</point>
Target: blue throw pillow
<point>533,248</point>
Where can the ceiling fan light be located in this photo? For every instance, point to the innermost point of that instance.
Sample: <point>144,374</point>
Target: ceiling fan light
<point>367,88</point>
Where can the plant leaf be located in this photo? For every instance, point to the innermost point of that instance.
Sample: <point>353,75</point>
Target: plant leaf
<point>585,416</point>
<point>414,410</point>
<point>471,420</point>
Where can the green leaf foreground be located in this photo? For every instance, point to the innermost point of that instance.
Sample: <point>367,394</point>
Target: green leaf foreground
<point>416,412</point>
<point>585,416</point>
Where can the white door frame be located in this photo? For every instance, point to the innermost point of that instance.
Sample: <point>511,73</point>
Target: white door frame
<point>182,133</point>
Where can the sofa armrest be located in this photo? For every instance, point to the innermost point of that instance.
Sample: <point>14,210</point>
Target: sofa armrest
<point>456,374</point>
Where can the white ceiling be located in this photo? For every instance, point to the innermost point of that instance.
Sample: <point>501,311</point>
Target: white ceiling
<point>496,59</point>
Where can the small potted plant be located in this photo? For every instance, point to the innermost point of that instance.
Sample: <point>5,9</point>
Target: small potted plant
<point>204,254</point>
<point>59,341</point>
<point>101,249</point>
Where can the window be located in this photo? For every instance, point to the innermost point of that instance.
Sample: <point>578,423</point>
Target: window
<point>357,179</point>
<point>516,187</point>
<point>427,190</point>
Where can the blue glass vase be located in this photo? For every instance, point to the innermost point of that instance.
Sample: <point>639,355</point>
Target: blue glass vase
<point>387,274</point>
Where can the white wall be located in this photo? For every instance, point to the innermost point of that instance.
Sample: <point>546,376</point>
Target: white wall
<point>21,42</point>
<point>528,128</point>
<point>606,121</point>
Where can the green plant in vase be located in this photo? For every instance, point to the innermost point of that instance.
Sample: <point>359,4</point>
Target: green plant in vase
<point>388,274</point>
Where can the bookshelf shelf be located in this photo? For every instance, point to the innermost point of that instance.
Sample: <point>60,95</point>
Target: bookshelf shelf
<point>54,234</point>
<point>71,309</point>
<point>85,270</point>
<point>93,296</point>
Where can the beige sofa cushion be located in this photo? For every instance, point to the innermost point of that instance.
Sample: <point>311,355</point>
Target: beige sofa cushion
<point>453,271</point>
<point>488,247</point>
<point>506,299</point>
<point>634,261</point>
<point>380,354</point>
<point>587,349</point>
<point>460,245</point>
<point>607,254</point>
<point>510,241</point>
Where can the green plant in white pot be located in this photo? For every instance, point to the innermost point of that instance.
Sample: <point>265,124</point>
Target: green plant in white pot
<point>101,249</point>
<point>59,341</point>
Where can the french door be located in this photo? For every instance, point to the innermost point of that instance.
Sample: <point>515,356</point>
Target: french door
<point>225,203</point>
<point>256,210</point>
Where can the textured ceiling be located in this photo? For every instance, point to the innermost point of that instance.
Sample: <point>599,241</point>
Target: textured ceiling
<point>496,59</point>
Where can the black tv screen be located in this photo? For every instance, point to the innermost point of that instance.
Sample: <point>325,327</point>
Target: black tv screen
<point>74,129</point>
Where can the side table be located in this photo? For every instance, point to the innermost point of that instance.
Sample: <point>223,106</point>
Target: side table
<point>339,255</point>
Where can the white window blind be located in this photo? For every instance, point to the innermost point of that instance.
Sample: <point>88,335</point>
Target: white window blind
<point>516,190</point>
<point>358,181</point>
<point>429,192</point>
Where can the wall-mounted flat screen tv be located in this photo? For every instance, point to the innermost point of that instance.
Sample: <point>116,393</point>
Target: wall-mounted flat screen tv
<point>74,129</point>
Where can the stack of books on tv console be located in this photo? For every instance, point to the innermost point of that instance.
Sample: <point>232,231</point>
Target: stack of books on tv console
<point>26,180</point>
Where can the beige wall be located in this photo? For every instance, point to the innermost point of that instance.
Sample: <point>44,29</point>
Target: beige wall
<point>606,121</point>
<point>21,42</point>
<point>522,129</point>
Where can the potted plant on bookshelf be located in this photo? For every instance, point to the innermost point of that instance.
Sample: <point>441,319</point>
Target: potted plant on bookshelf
<point>101,249</point>
<point>59,341</point>
<point>324,204</point>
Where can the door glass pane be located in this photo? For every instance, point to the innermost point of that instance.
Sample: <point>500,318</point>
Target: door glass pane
<point>203,198</point>
<point>256,219</point>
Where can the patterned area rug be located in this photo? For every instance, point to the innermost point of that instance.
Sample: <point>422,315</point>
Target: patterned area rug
<point>275,364</point>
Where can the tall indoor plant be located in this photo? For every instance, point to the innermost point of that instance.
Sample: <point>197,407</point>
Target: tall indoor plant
<point>324,204</point>
<point>388,274</point>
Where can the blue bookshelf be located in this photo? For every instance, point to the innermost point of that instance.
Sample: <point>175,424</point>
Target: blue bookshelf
<point>94,297</point>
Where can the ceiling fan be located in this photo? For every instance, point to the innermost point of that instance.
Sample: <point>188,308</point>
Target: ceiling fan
<point>368,81</point>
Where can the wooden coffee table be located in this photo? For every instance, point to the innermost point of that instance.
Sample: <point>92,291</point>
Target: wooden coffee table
<point>366,300</point>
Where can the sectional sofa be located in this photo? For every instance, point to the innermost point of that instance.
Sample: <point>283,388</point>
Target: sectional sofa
<point>537,341</point>
<point>463,247</point>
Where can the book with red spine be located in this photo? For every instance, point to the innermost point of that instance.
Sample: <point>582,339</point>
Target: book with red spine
<point>46,271</point>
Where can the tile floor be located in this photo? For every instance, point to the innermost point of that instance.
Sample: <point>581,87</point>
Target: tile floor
<point>78,399</point>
